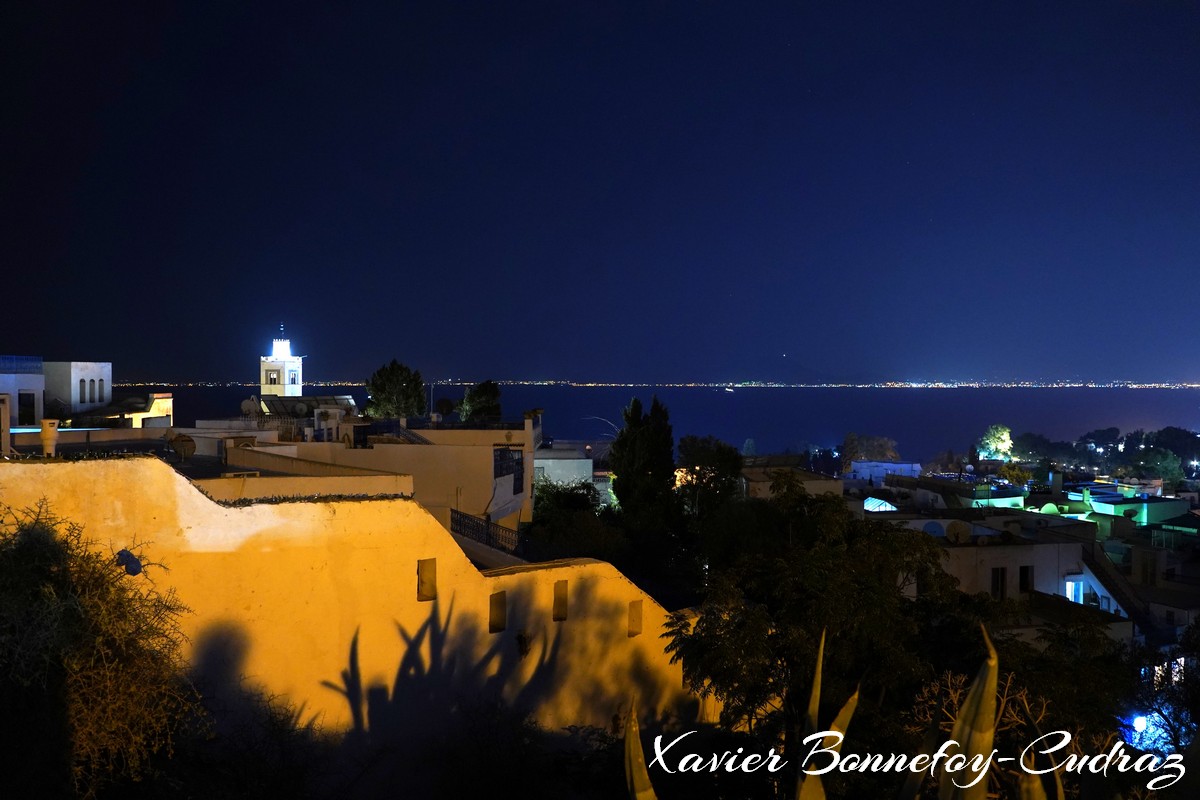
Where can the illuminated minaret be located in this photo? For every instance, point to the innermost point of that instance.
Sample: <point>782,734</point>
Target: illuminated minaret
<point>281,372</point>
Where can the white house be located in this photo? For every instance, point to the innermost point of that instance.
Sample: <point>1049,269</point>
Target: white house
<point>78,385</point>
<point>22,378</point>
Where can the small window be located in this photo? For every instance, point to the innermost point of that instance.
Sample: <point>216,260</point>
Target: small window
<point>426,579</point>
<point>293,378</point>
<point>635,617</point>
<point>498,612</point>
<point>102,390</point>
<point>560,601</point>
<point>1026,579</point>
<point>273,377</point>
<point>92,390</point>
<point>999,583</point>
<point>82,390</point>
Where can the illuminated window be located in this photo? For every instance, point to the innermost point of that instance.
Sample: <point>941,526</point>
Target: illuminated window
<point>498,612</point>
<point>635,617</point>
<point>560,601</point>
<point>273,377</point>
<point>293,377</point>
<point>426,579</point>
<point>1074,591</point>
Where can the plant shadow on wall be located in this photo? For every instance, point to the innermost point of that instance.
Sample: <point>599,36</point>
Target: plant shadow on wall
<point>254,745</point>
<point>456,719</point>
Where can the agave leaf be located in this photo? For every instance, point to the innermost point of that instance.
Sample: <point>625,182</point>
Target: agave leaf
<point>637,777</point>
<point>810,788</point>
<point>974,728</point>
<point>929,743</point>
<point>842,721</point>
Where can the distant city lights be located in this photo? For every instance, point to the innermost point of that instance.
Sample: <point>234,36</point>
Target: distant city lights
<point>724,384</point>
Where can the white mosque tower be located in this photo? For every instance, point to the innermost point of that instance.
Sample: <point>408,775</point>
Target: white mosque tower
<point>281,373</point>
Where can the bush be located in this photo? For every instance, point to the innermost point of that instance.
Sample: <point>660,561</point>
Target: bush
<point>91,665</point>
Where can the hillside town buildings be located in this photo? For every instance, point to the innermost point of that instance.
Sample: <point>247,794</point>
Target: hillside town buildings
<point>327,538</point>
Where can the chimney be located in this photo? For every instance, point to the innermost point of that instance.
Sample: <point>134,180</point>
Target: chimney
<point>49,437</point>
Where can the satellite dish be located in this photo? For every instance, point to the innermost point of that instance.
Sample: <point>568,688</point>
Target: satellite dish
<point>249,406</point>
<point>970,467</point>
<point>184,445</point>
<point>301,409</point>
<point>958,532</point>
<point>130,562</point>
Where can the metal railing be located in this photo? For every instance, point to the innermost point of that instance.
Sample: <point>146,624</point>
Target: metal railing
<point>1117,584</point>
<point>484,532</point>
<point>20,365</point>
<point>425,424</point>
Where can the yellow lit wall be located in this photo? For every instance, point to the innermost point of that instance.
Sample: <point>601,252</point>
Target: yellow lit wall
<point>445,476</point>
<point>299,580</point>
<point>245,487</point>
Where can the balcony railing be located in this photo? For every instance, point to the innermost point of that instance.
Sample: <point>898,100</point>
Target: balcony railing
<point>484,532</point>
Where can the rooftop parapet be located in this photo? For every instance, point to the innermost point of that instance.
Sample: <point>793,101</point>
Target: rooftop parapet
<point>21,365</point>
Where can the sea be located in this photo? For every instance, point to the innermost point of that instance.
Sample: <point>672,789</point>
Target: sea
<point>769,419</point>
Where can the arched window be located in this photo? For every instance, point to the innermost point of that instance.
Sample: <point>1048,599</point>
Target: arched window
<point>92,390</point>
<point>82,393</point>
<point>102,390</point>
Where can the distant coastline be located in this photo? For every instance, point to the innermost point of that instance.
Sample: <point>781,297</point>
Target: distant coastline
<point>777,419</point>
<point>738,384</point>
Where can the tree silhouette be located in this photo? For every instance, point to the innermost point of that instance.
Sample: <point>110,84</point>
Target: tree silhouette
<point>396,391</point>
<point>643,461</point>
<point>480,403</point>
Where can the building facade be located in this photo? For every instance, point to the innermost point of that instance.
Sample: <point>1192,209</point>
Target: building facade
<point>78,386</point>
<point>281,373</point>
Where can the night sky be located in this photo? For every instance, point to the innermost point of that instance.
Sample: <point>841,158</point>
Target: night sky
<point>608,191</point>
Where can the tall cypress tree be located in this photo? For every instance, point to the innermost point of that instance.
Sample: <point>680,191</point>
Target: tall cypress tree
<point>643,461</point>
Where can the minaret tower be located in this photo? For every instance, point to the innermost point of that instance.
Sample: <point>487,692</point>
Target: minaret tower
<point>281,373</point>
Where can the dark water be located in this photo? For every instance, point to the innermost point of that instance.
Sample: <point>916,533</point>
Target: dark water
<point>922,421</point>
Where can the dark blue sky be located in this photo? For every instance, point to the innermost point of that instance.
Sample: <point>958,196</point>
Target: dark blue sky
<point>641,191</point>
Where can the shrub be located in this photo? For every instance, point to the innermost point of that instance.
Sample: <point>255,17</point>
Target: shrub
<point>91,668</point>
